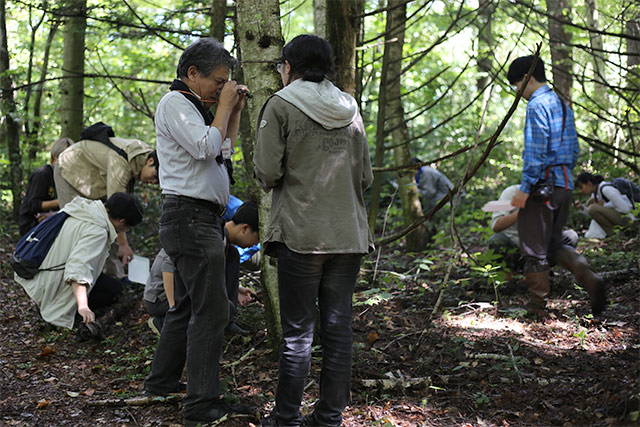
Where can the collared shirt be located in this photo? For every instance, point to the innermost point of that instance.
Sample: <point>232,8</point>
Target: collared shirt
<point>544,142</point>
<point>187,150</point>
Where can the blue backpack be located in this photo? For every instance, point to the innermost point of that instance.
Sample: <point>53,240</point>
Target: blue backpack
<point>34,246</point>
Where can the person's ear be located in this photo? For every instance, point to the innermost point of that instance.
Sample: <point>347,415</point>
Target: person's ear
<point>192,72</point>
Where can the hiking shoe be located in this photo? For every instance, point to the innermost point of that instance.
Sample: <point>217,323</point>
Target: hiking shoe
<point>309,420</point>
<point>180,388</point>
<point>269,421</point>
<point>152,325</point>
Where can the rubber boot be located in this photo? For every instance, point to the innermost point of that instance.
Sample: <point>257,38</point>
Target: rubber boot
<point>568,258</point>
<point>537,290</point>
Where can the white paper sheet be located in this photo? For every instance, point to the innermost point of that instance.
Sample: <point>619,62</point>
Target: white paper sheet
<point>139,269</point>
<point>497,206</point>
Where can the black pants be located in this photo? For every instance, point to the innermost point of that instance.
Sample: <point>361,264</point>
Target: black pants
<point>193,330</point>
<point>105,292</point>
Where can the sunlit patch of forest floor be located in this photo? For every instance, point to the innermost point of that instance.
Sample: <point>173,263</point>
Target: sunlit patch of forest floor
<point>475,364</point>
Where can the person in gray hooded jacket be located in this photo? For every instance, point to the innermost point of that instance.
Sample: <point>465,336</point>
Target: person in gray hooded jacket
<point>312,151</point>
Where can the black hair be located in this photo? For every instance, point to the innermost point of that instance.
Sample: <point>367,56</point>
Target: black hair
<point>247,213</point>
<point>520,67</point>
<point>309,56</point>
<point>206,55</point>
<point>125,206</point>
<point>154,155</point>
<point>585,177</point>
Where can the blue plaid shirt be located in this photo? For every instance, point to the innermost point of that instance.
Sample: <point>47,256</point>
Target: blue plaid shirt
<point>544,142</point>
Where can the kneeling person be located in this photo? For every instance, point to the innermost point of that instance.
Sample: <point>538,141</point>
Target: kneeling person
<point>81,247</point>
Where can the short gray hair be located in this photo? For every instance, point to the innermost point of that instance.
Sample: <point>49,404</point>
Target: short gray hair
<point>59,146</point>
<point>206,55</point>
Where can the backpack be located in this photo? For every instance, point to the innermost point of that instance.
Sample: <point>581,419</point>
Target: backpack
<point>624,186</point>
<point>34,246</point>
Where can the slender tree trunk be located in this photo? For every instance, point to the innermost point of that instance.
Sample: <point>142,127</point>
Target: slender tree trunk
<point>633,30</point>
<point>599,77</point>
<point>34,134</point>
<point>9,111</point>
<point>260,38</point>
<point>407,189</point>
<point>561,56</point>
<point>485,48</point>
<point>72,86</point>
<point>218,16</point>
<point>320,18</point>
<point>343,28</point>
<point>32,143</point>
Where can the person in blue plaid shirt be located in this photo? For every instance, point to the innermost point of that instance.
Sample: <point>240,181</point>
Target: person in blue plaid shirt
<point>550,154</point>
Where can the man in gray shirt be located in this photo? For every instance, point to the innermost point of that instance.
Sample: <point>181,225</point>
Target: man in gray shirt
<point>194,147</point>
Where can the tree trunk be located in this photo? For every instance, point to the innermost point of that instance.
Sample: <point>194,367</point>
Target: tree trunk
<point>218,17</point>
<point>9,112</point>
<point>485,50</point>
<point>32,143</point>
<point>33,136</point>
<point>633,46</point>
<point>260,38</point>
<point>409,197</point>
<point>343,28</point>
<point>72,85</point>
<point>561,58</point>
<point>320,18</point>
<point>599,78</point>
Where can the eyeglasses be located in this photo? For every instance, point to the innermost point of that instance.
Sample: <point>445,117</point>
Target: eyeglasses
<point>279,66</point>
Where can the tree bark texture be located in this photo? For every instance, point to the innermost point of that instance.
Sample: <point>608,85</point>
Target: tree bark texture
<point>31,142</point>
<point>343,27</point>
<point>561,55</point>
<point>407,189</point>
<point>485,43</point>
<point>72,86</point>
<point>218,17</point>
<point>320,18</point>
<point>10,114</point>
<point>260,38</point>
<point>599,75</point>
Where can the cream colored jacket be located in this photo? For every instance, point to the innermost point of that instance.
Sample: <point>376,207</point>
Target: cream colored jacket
<point>97,171</point>
<point>82,246</point>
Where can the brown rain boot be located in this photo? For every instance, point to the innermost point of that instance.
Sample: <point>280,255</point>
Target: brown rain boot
<point>537,291</point>
<point>568,258</point>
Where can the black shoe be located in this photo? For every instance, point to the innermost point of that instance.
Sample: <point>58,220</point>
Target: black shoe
<point>309,420</point>
<point>233,329</point>
<point>269,421</point>
<point>235,408</point>
<point>599,301</point>
<point>214,413</point>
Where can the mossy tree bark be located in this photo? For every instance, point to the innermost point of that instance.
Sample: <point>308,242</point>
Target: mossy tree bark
<point>72,85</point>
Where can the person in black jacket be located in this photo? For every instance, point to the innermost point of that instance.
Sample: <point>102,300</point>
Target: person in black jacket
<point>40,198</point>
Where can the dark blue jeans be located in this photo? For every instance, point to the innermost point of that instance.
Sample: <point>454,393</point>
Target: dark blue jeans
<point>302,279</point>
<point>193,329</point>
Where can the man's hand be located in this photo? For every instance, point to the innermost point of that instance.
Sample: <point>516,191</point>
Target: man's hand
<point>229,95</point>
<point>578,205</point>
<point>245,296</point>
<point>520,199</point>
<point>87,315</point>
<point>125,254</point>
<point>243,90</point>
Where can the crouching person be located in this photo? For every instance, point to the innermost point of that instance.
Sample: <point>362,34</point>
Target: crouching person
<point>68,283</point>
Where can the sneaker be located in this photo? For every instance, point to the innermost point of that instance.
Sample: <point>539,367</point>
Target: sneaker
<point>152,325</point>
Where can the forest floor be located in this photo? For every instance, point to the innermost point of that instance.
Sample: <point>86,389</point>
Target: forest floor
<point>474,365</point>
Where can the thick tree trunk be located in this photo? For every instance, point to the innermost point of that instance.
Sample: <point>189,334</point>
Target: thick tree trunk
<point>320,18</point>
<point>260,38</point>
<point>409,197</point>
<point>218,17</point>
<point>8,110</point>
<point>72,85</point>
<point>561,56</point>
<point>343,27</point>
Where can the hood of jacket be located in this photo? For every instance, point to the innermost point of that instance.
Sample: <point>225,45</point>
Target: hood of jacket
<point>322,102</point>
<point>91,211</point>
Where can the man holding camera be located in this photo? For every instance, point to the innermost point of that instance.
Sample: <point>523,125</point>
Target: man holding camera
<point>549,155</point>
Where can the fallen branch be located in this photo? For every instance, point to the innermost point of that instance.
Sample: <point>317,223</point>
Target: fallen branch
<point>137,401</point>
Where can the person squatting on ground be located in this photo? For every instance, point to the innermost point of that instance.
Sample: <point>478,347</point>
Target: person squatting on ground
<point>505,241</point>
<point>550,152</point>
<point>98,166</point>
<point>40,199</point>
<point>607,206</point>
<point>81,247</point>
<point>241,231</point>
<point>432,184</point>
<point>312,151</point>
<point>195,184</point>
